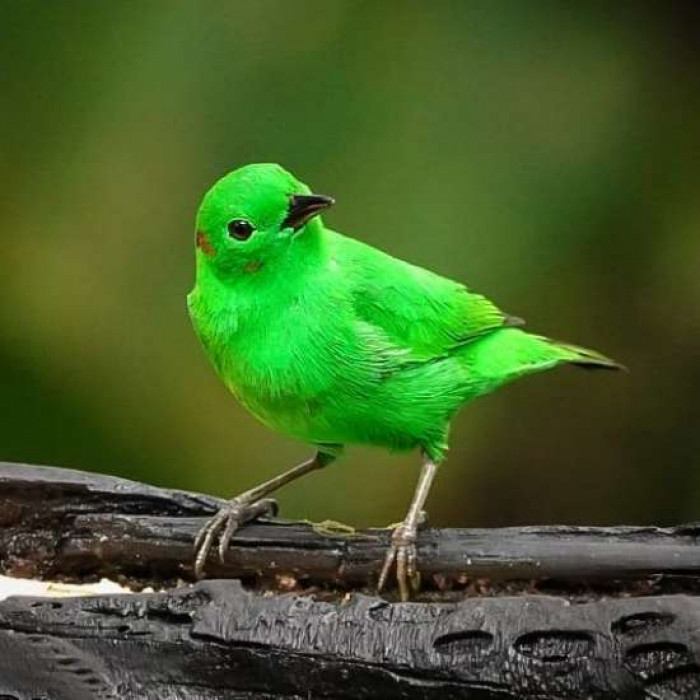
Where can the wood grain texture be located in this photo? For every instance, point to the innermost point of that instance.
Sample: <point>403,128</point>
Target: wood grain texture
<point>624,623</point>
<point>217,640</point>
<point>61,522</point>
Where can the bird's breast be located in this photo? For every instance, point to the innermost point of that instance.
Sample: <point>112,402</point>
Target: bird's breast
<point>292,360</point>
<point>280,364</point>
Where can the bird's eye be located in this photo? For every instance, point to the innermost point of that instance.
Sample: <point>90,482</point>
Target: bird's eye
<point>240,229</point>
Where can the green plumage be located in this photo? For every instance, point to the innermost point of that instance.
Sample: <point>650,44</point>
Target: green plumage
<point>333,342</point>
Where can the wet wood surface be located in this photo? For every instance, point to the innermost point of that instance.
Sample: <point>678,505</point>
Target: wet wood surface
<point>536,612</point>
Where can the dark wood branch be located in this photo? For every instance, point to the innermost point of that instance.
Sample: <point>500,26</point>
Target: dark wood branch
<point>483,630</point>
<point>60,522</point>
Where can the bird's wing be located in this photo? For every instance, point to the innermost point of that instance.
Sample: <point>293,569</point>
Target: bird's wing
<point>425,314</point>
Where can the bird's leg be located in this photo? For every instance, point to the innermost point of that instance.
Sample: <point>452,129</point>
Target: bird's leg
<point>246,507</point>
<point>403,539</point>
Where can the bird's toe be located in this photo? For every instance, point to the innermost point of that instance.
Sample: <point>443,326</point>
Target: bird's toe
<point>402,551</point>
<point>227,521</point>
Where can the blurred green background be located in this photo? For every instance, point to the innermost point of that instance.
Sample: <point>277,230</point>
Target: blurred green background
<point>546,153</point>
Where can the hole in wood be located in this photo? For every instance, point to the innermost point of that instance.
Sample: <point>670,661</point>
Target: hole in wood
<point>648,660</point>
<point>66,661</point>
<point>555,646</point>
<point>380,612</point>
<point>81,671</point>
<point>470,643</point>
<point>677,683</point>
<point>641,623</point>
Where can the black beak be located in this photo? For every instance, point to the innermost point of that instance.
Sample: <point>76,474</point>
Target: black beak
<point>303,207</point>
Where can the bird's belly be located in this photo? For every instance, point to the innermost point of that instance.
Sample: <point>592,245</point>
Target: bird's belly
<point>281,367</point>
<point>318,383</point>
<point>286,413</point>
<point>380,417</point>
<point>283,397</point>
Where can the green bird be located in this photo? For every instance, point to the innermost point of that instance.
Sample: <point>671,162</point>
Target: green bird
<point>333,342</point>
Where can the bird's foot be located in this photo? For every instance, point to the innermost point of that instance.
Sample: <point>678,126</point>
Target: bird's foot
<point>403,552</point>
<point>234,515</point>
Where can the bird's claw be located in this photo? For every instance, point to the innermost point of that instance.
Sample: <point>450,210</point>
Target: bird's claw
<point>403,551</point>
<point>230,518</point>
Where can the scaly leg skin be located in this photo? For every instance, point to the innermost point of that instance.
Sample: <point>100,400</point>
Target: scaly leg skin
<point>403,539</point>
<point>246,507</point>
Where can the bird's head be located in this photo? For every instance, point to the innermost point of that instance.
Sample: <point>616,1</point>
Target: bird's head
<point>249,218</point>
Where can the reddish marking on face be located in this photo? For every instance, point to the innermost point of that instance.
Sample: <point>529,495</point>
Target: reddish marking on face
<point>202,242</point>
<point>253,266</point>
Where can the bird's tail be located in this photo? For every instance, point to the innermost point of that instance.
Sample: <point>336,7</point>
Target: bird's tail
<point>583,357</point>
<point>510,353</point>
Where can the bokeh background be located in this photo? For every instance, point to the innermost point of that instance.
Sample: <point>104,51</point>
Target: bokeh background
<point>546,153</point>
